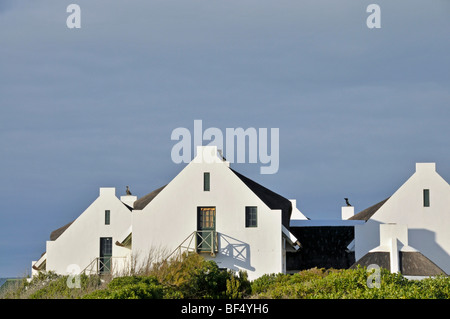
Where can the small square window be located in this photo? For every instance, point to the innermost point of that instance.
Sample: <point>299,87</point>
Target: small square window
<point>251,216</point>
<point>206,182</point>
<point>426,198</point>
<point>107,217</point>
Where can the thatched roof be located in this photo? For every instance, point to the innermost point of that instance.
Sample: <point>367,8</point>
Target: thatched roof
<point>367,213</point>
<point>270,198</point>
<point>412,263</point>
<point>58,232</point>
<point>380,258</point>
<point>145,200</point>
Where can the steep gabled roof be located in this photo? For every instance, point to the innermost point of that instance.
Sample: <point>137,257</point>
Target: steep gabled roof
<point>58,232</point>
<point>145,200</point>
<point>367,213</point>
<point>270,198</point>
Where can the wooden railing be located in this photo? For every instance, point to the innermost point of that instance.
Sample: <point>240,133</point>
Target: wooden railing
<point>102,265</point>
<point>204,241</point>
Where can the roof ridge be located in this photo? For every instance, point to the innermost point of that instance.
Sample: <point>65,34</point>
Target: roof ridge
<point>142,202</point>
<point>270,198</point>
<point>367,213</point>
<point>58,232</point>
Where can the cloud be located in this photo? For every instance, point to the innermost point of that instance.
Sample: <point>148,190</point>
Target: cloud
<point>6,5</point>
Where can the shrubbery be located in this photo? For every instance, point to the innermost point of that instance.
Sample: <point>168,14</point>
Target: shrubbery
<point>194,277</point>
<point>130,288</point>
<point>348,284</point>
<point>52,286</point>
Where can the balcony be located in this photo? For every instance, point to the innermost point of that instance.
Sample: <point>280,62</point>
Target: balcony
<point>204,241</point>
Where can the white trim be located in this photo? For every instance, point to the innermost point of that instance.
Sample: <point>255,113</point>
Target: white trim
<point>324,222</point>
<point>292,240</point>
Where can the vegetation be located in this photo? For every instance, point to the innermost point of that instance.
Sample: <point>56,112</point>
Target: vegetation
<point>195,277</point>
<point>348,284</point>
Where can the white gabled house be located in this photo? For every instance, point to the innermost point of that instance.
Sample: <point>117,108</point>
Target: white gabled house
<point>86,244</point>
<point>207,208</point>
<point>409,231</point>
<point>212,209</point>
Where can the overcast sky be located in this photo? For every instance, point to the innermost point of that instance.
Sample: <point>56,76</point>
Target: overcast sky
<point>96,106</point>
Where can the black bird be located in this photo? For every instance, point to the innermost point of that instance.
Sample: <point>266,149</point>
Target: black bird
<point>128,191</point>
<point>346,201</point>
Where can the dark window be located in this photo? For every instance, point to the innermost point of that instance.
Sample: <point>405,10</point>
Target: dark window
<point>105,255</point>
<point>426,198</point>
<point>251,216</point>
<point>206,181</point>
<point>107,217</point>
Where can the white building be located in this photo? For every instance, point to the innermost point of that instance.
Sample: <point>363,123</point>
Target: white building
<point>421,210</point>
<point>207,208</point>
<point>87,243</point>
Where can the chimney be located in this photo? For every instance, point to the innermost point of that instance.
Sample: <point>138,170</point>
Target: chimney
<point>108,191</point>
<point>347,212</point>
<point>425,167</point>
<point>393,237</point>
<point>207,154</point>
<point>128,200</point>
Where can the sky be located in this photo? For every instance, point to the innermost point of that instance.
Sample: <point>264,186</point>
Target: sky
<point>95,106</point>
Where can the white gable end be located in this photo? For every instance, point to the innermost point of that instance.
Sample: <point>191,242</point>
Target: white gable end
<point>427,224</point>
<point>79,244</point>
<point>172,216</point>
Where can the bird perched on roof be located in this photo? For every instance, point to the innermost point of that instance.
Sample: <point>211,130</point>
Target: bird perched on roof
<point>221,155</point>
<point>346,201</point>
<point>128,191</point>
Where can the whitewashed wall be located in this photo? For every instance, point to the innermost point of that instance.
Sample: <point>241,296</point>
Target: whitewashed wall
<point>428,227</point>
<point>172,216</point>
<point>80,243</point>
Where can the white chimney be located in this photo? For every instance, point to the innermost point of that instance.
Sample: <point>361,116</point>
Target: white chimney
<point>207,154</point>
<point>128,200</point>
<point>347,212</point>
<point>108,191</point>
<point>393,237</point>
<point>425,167</point>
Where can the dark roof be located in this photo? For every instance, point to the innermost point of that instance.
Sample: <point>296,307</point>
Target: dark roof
<point>58,232</point>
<point>145,200</point>
<point>322,247</point>
<point>270,198</point>
<point>380,258</point>
<point>129,208</point>
<point>412,263</point>
<point>368,212</point>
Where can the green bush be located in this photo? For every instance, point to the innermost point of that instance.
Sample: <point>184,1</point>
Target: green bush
<point>195,277</point>
<point>348,284</point>
<point>132,287</point>
<point>191,277</point>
